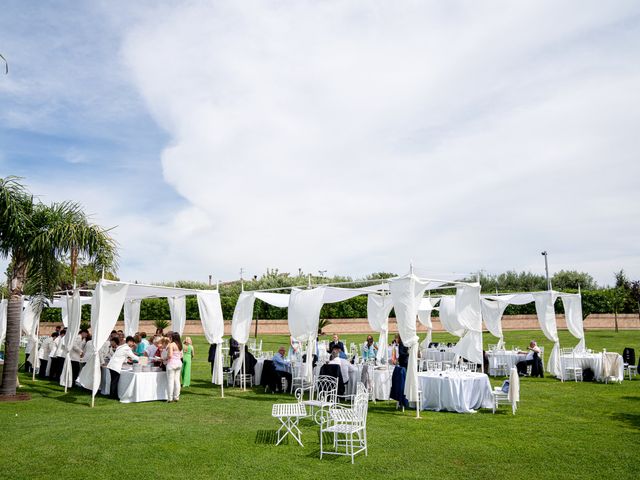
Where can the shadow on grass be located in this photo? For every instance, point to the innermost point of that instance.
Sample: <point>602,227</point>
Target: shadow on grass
<point>628,397</point>
<point>631,419</point>
<point>268,437</point>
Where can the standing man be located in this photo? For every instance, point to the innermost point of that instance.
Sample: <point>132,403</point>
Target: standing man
<point>121,354</point>
<point>336,343</point>
<point>76,353</point>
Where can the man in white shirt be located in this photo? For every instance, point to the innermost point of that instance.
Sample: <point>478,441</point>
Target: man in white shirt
<point>76,352</point>
<point>345,366</point>
<point>58,357</point>
<point>43,354</point>
<point>121,355</point>
<point>529,359</point>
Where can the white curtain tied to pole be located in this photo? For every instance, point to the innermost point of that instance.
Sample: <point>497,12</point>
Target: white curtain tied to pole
<point>107,303</point>
<point>449,316</point>
<point>74,309</point>
<point>3,319</point>
<point>241,322</point>
<point>132,316</point>
<point>547,319</point>
<point>427,305</point>
<point>30,322</point>
<point>178,311</point>
<point>65,312</point>
<point>573,316</point>
<point>406,293</point>
<point>213,325</point>
<point>303,319</point>
<point>378,310</point>
<point>470,317</point>
<point>492,311</point>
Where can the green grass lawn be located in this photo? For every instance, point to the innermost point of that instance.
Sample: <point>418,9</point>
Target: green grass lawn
<point>570,430</point>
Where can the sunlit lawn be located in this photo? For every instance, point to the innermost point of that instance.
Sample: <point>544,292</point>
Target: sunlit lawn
<point>570,430</point>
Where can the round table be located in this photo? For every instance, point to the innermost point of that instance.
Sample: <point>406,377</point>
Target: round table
<point>462,392</point>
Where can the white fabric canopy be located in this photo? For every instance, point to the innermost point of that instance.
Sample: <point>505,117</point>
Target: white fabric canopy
<point>427,305</point>
<point>378,310</point>
<point>30,323</point>
<point>241,322</point>
<point>303,318</point>
<point>108,300</point>
<point>3,319</point>
<point>213,326</point>
<point>470,317</point>
<point>547,319</point>
<point>492,311</point>
<point>449,316</point>
<point>178,311</point>
<point>139,290</point>
<point>336,294</point>
<point>573,316</point>
<point>280,300</point>
<point>75,315</point>
<point>406,293</point>
<point>132,316</point>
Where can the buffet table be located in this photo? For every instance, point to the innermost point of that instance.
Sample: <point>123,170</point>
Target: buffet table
<point>136,386</point>
<point>462,392</point>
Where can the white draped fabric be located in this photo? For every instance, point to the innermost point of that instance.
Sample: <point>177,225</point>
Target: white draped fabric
<point>573,316</point>
<point>335,294</point>
<point>241,322</point>
<point>470,317</point>
<point>178,311</point>
<point>406,293</point>
<point>213,325</point>
<point>280,300</point>
<point>132,316</point>
<point>303,319</point>
<point>547,319</point>
<point>492,311</point>
<point>74,309</point>
<point>3,319</point>
<point>427,305</point>
<point>378,310</point>
<point>449,316</point>
<point>30,322</point>
<point>108,299</point>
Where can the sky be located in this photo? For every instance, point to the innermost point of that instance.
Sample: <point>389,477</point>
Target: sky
<point>343,136</point>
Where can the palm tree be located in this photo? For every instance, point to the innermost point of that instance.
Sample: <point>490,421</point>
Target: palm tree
<point>35,237</point>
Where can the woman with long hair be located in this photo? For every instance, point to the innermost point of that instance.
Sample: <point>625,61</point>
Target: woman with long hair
<point>174,366</point>
<point>188,354</point>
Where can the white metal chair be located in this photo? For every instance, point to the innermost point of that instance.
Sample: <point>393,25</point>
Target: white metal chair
<point>323,396</point>
<point>348,426</point>
<point>570,368</point>
<point>298,380</point>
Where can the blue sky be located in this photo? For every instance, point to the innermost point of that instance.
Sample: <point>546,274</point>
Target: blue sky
<point>345,136</point>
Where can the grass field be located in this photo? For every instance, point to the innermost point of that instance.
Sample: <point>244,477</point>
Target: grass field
<point>570,430</point>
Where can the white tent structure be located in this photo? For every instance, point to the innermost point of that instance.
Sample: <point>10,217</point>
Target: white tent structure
<point>493,307</point>
<point>407,293</point>
<point>304,307</point>
<point>111,296</point>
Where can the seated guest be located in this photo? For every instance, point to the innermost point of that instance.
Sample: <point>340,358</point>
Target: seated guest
<point>122,354</point>
<point>336,343</point>
<point>345,366</point>
<point>234,350</point>
<point>281,364</point>
<point>369,349</point>
<point>533,351</point>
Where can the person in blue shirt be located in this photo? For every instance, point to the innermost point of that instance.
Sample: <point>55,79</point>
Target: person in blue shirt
<point>282,365</point>
<point>369,349</point>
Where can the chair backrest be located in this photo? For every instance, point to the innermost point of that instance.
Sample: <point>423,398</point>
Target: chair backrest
<point>629,356</point>
<point>361,404</point>
<point>327,389</point>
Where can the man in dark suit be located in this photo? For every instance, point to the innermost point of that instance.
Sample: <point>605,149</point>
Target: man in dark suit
<point>335,343</point>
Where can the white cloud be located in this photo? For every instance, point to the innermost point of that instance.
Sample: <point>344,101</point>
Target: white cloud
<point>356,136</point>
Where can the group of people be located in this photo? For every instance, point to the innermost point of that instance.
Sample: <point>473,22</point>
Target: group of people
<point>164,351</point>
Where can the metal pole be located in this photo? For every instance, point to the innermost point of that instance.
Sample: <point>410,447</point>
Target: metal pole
<point>546,268</point>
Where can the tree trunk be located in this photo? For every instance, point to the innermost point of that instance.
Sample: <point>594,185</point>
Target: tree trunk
<point>12,340</point>
<point>615,318</point>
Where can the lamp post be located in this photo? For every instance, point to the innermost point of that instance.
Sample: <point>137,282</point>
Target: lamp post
<point>546,268</point>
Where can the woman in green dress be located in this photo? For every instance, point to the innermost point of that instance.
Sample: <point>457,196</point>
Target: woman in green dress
<point>188,354</point>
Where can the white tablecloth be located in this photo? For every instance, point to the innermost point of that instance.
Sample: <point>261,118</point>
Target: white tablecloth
<point>381,381</point>
<point>594,362</point>
<point>136,386</point>
<point>439,354</point>
<point>462,392</point>
<point>509,357</point>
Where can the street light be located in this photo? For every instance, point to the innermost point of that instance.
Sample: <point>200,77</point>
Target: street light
<point>546,268</point>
